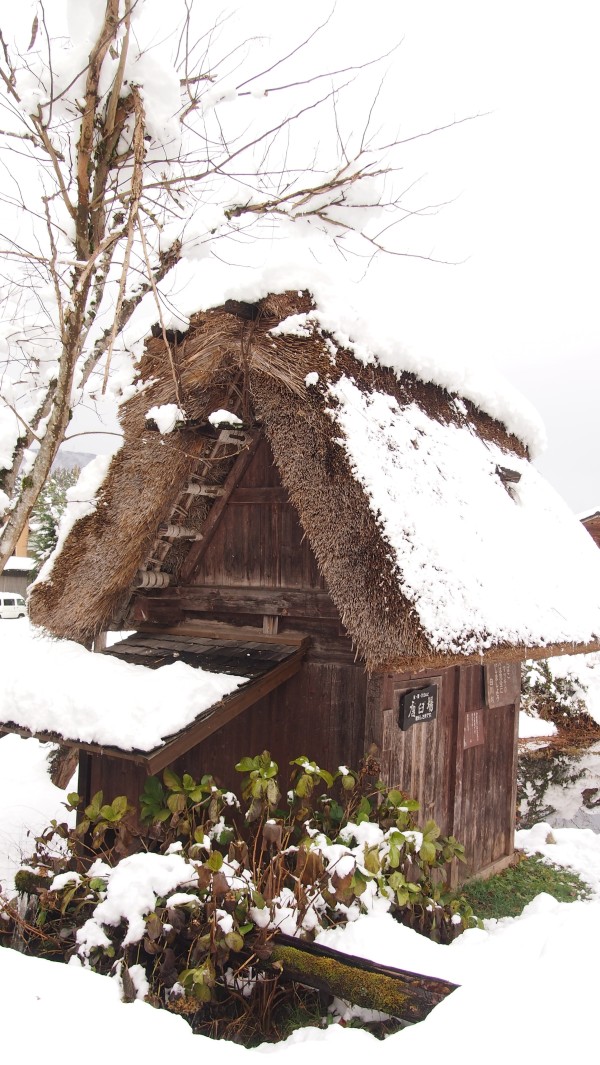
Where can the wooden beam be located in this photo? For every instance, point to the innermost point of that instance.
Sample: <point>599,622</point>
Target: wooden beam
<point>94,748</point>
<point>282,602</point>
<point>238,470</point>
<point>220,630</point>
<point>459,757</point>
<point>270,494</point>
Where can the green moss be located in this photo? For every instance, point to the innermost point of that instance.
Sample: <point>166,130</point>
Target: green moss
<point>505,895</point>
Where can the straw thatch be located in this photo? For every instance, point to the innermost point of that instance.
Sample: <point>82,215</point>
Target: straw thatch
<point>229,358</point>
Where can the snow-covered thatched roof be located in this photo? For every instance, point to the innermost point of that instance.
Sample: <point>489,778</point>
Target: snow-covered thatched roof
<point>437,538</point>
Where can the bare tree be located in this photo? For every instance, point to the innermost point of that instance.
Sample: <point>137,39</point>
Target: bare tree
<point>115,158</point>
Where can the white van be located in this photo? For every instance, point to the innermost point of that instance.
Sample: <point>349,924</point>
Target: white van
<point>12,605</point>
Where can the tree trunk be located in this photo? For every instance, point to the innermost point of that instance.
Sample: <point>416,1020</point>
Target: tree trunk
<point>408,996</point>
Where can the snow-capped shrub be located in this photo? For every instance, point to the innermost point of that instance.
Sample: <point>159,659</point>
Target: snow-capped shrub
<point>560,698</point>
<point>185,912</point>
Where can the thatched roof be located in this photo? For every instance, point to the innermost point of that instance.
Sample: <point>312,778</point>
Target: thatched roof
<point>424,514</point>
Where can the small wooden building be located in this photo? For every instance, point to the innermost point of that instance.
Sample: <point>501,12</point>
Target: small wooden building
<point>361,547</point>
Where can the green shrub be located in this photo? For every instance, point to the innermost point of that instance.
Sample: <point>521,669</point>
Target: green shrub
<point>339,844</point>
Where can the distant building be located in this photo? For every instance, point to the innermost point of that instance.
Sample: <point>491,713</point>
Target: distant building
<point>591,522</point>
<point>17,574</point>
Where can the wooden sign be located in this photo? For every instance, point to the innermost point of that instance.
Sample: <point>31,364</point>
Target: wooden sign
<point>502,683</point>
<point>417,707</point>
<point>473,734</point>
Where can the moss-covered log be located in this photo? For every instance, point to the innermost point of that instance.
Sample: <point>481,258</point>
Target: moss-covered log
<point>409,996</point>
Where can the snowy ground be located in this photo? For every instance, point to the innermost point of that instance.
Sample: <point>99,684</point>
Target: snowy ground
<point>528,985</point>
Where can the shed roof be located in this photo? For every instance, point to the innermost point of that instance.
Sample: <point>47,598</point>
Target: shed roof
<point>99,704</point>
<point>438,539</point>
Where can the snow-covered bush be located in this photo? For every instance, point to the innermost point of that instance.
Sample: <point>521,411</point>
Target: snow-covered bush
<point>556,697</point>
<point>186,912</point>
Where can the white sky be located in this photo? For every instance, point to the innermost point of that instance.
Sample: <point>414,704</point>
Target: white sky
<point>524,223</point>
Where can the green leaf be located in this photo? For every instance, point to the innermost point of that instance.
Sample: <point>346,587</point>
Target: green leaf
<point>304,786</point>
<point>97,884</point>
<point>188,782</point>
<point>171,780</point>
<point>431,831</point>
<point>246,765</point>
<point>258,900</point>
<point>197,793</point>
<point>93,810</point>
<point>372,863</point>
<point>427,851</point>
<point>215,861</point>
<point>234,940</point>
<point>359,882</point>
<point>108,813</point>
<point>73,798</point>
<point>119,806</point>
<point>177,802</point>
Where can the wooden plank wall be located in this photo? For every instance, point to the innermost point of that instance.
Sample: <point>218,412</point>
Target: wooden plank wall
<point>468,790</point>
<point>260,542</point>
<point>291,721</point>
<point>420,761</point>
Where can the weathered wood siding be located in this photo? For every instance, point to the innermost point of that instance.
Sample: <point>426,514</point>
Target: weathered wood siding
<point>258,570</point>
<point>461,767</point>
<point>260,542</point>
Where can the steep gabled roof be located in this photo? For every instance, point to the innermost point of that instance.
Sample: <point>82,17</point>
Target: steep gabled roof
<point>437,538</point>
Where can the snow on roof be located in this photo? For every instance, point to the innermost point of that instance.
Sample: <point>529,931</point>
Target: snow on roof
<point>58,686</point>
<point>483,562</point>
<point>356,319</point>
<point>19,564</point>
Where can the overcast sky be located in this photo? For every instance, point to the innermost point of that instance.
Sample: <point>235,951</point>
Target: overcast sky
<point>527,213</point>
<point>523,227</point>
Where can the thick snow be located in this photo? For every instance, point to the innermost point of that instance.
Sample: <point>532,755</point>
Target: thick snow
<point>533,978</point>
<point>509,976</point>
<point>59,686</point>
<point>477,561</point>
<point>81,500</point>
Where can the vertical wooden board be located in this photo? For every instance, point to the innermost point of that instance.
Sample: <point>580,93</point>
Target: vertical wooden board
<point>293,720</point>
<point>260,544</point>
<point>487,814</point>
<point>115,776</point>
<point>299,567</point>
<point>418,761</point>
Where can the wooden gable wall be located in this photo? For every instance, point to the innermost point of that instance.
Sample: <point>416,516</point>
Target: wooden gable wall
<point>258,574</point>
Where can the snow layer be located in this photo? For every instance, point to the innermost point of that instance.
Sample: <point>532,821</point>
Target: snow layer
<point>477,560</point>
<point>552,946</point>
<point>532,978</point>
<point>59,686</point>
<point>28,798</point>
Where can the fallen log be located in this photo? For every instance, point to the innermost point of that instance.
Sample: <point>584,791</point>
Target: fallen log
<point>397,992</point>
